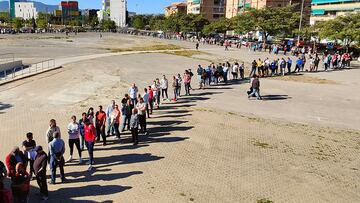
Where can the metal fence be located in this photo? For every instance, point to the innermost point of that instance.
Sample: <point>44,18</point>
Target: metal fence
<point>27,70</point>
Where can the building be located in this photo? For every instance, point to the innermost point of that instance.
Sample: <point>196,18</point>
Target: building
<point>104,13</point>
<point>178,7</point>
<point>68,10</point>
<point>25,10</point>
<point>322,10</point>
<point>118,10</point>
<point>210,9</point>
<point>235,7</point>
<point>90,13</point>
<point>114,10</point>
<point>12,8</point>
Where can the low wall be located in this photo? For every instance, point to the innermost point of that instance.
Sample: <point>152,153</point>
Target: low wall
<point>10,65</point>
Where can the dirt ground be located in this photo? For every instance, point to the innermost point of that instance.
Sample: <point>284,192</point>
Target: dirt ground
<point>301,144</point>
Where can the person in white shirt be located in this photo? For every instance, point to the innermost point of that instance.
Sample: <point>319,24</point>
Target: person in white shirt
<point>133,91</point>
<point>109,110</point>
<point>235,70</point>
<point>164,84</point>
<point>146,101</point>
<point>74,138</point>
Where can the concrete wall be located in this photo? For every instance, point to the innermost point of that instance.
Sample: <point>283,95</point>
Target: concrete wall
<point>10,65</point>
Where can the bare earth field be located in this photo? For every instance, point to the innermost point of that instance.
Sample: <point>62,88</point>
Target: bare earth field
<point>301,144</point>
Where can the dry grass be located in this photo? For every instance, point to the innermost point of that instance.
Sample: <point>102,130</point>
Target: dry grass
<point>155,47</point>
<point>186,53</point>
<point>304,79</point>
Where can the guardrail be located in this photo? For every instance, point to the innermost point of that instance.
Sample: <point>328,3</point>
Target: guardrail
<point>27,70</point>
<point>7,57</point>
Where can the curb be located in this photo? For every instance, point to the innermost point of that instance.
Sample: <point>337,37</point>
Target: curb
<point>28,76</point>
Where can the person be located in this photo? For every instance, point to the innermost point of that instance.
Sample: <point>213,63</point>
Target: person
<point>242,69</point>
<point>179,78</point>
<point>130,106</point>
<point>145,96</point>
<point>151,100</point>
<point>90,138</point>
<point>141,108</point>
<point>133,91</point>
<point>316,63</point>
<point>199,72</point>
<point>5,194</point>
<point>134,126</point>
<point>225,71</point>
<point>109,110</point>
<point>255,85</point>
<point>299,64</point>
<point>289,64</point>
<point>312,64</point>
<point>12,159</point>
<point>28,148</point>
<point>175,84</point>
<point>164,84</point>
<point>74,138</point>
<point>115,121</point>
<point>187,80</point>
<point>197,45</point>
<point>52,129</point>
<point>282,66</point>
<point>235,70</point>
<point>81,130</point>
<point>40,164</point>
<point>191,75</point>
<point>100,121</point>
<point>57,150</point>
<point>156,89</point>
<point>90,115</point>
<point>124,114</point>
<point>20,184</point>
<point>253,68</point>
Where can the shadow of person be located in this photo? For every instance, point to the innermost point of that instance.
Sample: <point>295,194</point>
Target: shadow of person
<point>275,97</point>
<point>85,176</point>
<point>67,194</point>
<point>105,162</point>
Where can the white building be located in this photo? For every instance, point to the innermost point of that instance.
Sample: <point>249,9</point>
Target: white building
<point>25,10</point>
<point>118,12</point>
<point>104,13</point>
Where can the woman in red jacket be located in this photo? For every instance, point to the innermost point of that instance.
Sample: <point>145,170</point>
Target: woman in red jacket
<point>90,138</point>
<point>13,158</point>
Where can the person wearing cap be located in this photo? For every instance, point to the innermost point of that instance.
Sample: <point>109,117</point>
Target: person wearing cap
<point>40,171</point>
<point>100,118</point>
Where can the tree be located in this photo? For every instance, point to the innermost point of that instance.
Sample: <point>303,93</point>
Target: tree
<point>219,26</point>
<point>345,28</point>
<point>94,23</point>
<point>275,21</point>
<point>42,20</point>
<point>139,22</point>
<point>244,23</point>
<point>4,17</point>
<point>108,24</point>
<point>17,23</point>
<point>156,22</point>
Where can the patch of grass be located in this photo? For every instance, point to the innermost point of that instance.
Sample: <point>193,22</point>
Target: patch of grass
<point>182,194</point>
<point>69,40</point>
<point>186,53</point>
<point>231,113</point>
<point>191,199</point>
<point>304,79</point>
<point>156,47</point>
<point>264,200</point>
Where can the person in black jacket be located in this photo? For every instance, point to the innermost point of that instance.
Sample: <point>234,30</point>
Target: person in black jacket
<point>40,164</point>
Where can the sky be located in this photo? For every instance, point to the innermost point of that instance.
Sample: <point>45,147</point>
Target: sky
<point>138,6</point>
